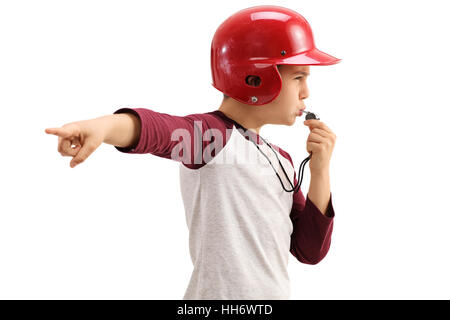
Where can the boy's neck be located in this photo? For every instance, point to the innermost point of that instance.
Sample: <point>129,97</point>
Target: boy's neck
<point>246,115</point>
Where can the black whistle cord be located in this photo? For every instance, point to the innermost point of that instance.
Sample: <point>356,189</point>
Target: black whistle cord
<point>300,169</point>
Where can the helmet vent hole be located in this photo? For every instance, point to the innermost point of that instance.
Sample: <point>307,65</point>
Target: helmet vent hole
<point>253,81</point>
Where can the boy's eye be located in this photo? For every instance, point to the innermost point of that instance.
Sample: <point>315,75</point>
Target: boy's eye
<point>299,78</point>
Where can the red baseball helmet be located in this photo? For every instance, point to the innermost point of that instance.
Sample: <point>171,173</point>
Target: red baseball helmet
<point>252,42</point>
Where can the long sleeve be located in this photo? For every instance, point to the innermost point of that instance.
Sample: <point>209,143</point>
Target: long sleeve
<point>311,236</point>
<point>180,138</point>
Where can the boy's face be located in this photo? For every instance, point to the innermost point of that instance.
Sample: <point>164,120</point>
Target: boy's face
<point>284,108</point>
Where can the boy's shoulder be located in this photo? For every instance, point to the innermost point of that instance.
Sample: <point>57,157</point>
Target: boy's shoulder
<point>211,119</point>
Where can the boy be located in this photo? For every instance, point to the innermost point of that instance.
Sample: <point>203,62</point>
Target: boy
<point>242,221</point>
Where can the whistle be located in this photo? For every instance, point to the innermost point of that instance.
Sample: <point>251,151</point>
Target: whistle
<point>310,115</point>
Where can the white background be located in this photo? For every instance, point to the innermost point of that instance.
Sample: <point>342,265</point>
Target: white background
<point>114,226</point>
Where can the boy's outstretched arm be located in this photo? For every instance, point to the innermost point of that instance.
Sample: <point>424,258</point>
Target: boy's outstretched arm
<point>141,130</point>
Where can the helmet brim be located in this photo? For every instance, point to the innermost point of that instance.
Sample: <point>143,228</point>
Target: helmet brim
<point>310,57</point>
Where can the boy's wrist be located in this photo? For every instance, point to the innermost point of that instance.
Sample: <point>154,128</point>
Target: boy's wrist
<point>121,129</point>
<point>103,126</point>
<point>320,173</point>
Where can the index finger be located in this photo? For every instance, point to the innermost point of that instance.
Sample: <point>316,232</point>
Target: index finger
<point>63,133</point>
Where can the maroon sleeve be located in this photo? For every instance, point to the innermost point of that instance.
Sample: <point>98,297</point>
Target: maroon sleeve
<point>180,138</point>
<point>311,236</point>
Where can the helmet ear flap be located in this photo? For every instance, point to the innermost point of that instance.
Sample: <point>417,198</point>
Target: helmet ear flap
<point>254,84</point>
<point>265,83</point>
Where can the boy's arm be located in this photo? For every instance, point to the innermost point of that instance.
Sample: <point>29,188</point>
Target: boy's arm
<point>312,227</point>
<point>311,237</point>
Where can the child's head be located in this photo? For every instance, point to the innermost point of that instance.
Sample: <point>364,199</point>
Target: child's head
<point>254,55</point>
